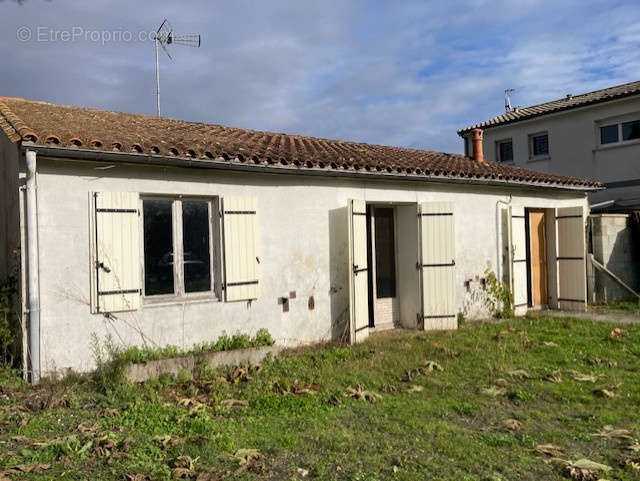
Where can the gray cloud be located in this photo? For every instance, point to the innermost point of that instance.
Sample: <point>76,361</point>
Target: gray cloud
<point>404,73</point>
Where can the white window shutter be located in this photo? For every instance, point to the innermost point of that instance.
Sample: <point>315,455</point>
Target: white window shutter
<point>116,262</point>
<point>241,253</point>
<point>438,265</point>
<point>518,260</point>
<point>570,234</point>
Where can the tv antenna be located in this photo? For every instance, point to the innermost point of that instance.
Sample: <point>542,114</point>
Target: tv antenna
<point>507,98</point>
<point>164,37</point>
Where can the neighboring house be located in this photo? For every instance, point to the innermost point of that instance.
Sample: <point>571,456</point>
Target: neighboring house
<point>157,231</point>
<point>594,135</point>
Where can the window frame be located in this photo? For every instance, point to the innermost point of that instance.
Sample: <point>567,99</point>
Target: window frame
<point>618,127</point>
<point>617,121</point>
<point>532,155</point>
<point>498,157</point>
<point>179,294</point>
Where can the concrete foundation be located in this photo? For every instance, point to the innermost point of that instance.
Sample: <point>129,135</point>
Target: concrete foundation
<point>190,364</point>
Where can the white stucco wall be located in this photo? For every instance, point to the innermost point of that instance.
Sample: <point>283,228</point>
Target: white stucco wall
<point>574,146</point>
<point>303,243</point>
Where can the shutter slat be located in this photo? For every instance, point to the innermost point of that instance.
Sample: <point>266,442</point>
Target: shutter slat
<point>241,254</point>
<point>437,249</point>
<point>117,257</point>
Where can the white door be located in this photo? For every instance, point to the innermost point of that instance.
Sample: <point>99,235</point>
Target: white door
<point>358,271</point>
<point>518,260</point>
<point>570,233</point>
<point>437,265</point>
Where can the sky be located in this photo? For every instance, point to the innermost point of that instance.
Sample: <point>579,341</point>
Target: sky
<point>406,72</point>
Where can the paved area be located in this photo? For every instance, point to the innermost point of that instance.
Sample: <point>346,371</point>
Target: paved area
<point>596,313</point>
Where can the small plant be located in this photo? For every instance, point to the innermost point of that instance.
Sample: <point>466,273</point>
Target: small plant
<point>500,298</point>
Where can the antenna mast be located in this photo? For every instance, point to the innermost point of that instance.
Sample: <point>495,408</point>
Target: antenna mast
<point>507,98</point>
<point>164,37</point>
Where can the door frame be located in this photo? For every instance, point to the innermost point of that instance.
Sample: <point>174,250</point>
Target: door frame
<point>371,253</point>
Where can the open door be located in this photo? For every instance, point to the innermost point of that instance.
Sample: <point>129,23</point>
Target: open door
<point>358,271</point>
<point>572,291</point>
<point>437,265</point>
<point>518,253</point>
<point>538,261</point>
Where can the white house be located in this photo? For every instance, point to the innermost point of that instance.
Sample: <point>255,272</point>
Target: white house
<point>595,135</point>
<point>157,231</point>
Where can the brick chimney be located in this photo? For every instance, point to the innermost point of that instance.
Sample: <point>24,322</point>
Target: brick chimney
<point>476,141</point>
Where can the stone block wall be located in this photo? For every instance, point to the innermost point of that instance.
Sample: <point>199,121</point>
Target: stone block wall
<point>613,244</point>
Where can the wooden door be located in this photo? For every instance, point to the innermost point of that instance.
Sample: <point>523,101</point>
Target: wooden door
<point>537,241</point>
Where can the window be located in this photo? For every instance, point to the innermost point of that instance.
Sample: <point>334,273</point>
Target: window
<point>197,251</point>
<point>609,134</point>
<point>539,145</point>
<point>620,132</point>
<point>385,253</point>
<point>505,150</point>
<point>158,247</point>
<point>177,246</point>
<point>631,130</point>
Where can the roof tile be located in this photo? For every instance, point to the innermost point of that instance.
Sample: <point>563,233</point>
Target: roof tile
<point>66,126</point>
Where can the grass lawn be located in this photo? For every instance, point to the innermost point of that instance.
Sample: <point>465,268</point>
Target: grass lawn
<point>376,411</point>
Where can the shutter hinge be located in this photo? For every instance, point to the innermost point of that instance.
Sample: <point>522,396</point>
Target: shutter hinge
<point>100,265</point>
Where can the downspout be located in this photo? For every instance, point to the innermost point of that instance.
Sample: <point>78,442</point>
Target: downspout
<point>24,308</point>
<point>33,267</point>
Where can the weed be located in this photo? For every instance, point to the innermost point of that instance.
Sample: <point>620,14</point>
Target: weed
<point>500,298</point>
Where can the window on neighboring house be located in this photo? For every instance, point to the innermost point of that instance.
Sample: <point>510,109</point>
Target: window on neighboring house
<point>631,130</point>
<point>609,134</point>
<point>505,150</point>
<point>539,145</point>
<point>177,246</point>
<point>620,132</point>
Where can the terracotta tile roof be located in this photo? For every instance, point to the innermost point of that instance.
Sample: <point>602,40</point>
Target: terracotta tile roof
<point>72,127</point>
<point>566,103</point>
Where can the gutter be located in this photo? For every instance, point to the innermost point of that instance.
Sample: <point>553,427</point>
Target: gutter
<point>33,266</point>
<point>75,154</point>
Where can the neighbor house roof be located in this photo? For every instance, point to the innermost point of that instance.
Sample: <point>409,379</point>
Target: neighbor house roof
<point>566,103</point>
<point>151,138</point>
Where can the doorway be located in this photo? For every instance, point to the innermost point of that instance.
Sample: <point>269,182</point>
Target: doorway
<point>537,272</point>
<point>381,255</point>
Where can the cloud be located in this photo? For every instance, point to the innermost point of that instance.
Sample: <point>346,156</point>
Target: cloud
<point>404,73</point>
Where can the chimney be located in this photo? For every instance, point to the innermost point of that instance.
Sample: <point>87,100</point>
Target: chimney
<point>476,140</point>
